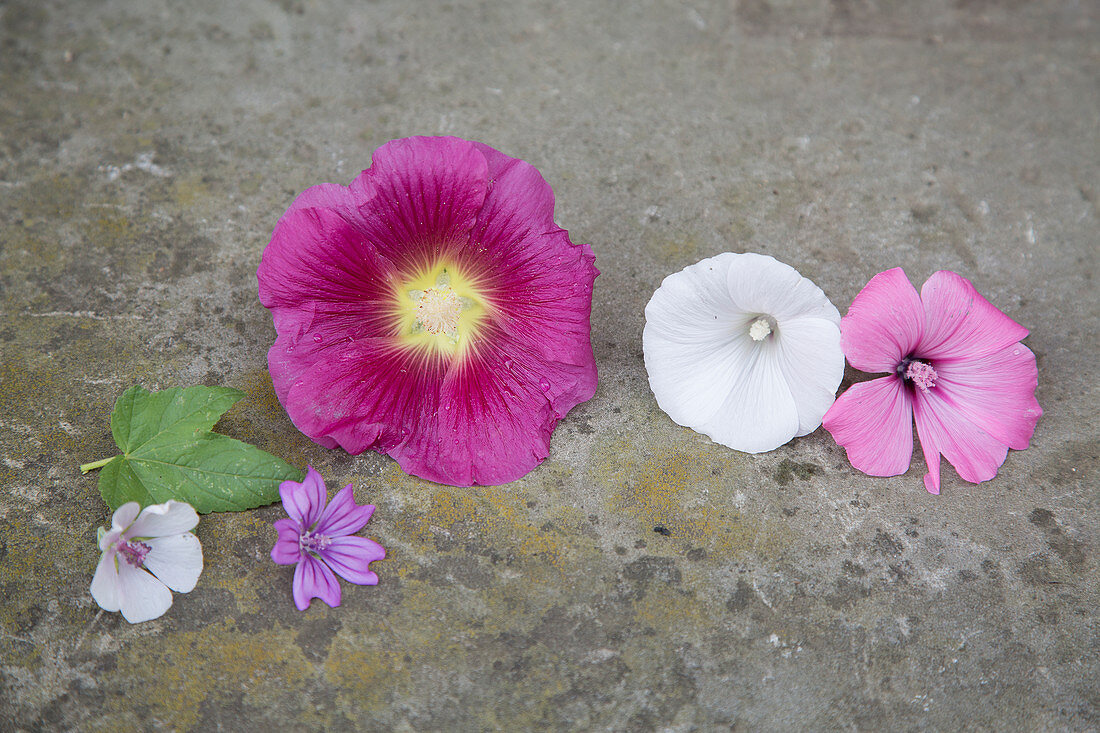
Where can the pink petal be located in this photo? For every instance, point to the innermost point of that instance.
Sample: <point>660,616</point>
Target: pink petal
<point>421,197</point>
<point>370,396</point>
<point>287,550</point>
<point>995,392</point>
<point>883,324</point>
<point>343,516</point>
<point>330,196</point>
<point>960,323</point>
<point>874,422</point>
<point>304,501</point>
<point>539,281</point>
<point>489,425</point>
<point>350,557</point>
<point>943,429</point>
<point>314,579</point>
<point>512,181</point>
<point>321,264</point>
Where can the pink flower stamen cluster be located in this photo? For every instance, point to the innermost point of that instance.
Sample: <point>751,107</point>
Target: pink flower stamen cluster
<point>920,373</point>
<point>133,552</point>
<point>309,542</point>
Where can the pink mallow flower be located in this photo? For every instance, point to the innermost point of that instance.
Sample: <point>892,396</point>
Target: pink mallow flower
<point>432,311</point>
<point>954,363</point>
<point>317,538</point>
<point>147,554</point>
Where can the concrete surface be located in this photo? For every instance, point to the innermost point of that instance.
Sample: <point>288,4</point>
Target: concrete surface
<point>146,150</point>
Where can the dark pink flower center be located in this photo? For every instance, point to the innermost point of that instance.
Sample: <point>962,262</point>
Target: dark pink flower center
<point>919,373</point>
<point>133,552</point>
<point>309,542</point>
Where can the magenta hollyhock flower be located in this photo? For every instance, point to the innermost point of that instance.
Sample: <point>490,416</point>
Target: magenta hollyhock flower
<point>317,538</point>
<point>432,311</point>
<point>954,363</point>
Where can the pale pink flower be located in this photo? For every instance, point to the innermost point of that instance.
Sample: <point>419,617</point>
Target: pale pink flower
<point>954,363</point>
<point>147,554</point>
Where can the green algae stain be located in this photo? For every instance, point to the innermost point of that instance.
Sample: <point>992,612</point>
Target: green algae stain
<point>690,490</point>
<point>49,199</point>
<point>189,191</point>
<point>494,516</point>
<point>178,673</point>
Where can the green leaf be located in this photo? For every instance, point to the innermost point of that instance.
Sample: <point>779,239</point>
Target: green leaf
<point>168,452</point>
<point>141,416</point>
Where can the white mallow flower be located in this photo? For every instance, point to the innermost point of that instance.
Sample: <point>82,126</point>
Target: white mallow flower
<point>743,349</point>
<point>146,552</point>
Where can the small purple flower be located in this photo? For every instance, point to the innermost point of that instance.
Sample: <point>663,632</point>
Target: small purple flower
<point>317,538</point>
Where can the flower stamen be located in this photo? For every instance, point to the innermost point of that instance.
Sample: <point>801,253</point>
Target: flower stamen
<point>133,552</point>
<point>760,329</point>
<point>919,373</point>
<point>438,310</point>
<point>309,542</point>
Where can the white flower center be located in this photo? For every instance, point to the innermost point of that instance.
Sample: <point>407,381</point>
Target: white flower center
<point>760,329</point>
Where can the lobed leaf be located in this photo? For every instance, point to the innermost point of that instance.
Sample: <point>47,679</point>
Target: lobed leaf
<point>168,452</point>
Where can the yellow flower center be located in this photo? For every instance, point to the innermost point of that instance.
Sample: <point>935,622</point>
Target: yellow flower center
<point>440,310</point>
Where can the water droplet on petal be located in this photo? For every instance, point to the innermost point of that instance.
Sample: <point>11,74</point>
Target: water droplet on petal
<point>317,338</point>
<point>545,385</point>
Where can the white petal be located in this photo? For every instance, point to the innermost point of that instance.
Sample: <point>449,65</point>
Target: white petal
<point>163,520</point>
<point>141,596</point>
<point>105,582</point>
<point>124,516</point>
<point>110,538</point>
<point>812,363</point>
<point>762,284</point>
<point>758,413</point>
<point>176,560</point>
<point>695,341</point>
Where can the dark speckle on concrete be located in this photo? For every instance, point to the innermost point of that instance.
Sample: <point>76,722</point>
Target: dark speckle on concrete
<point>886,544</point>
<point>789,469</point>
